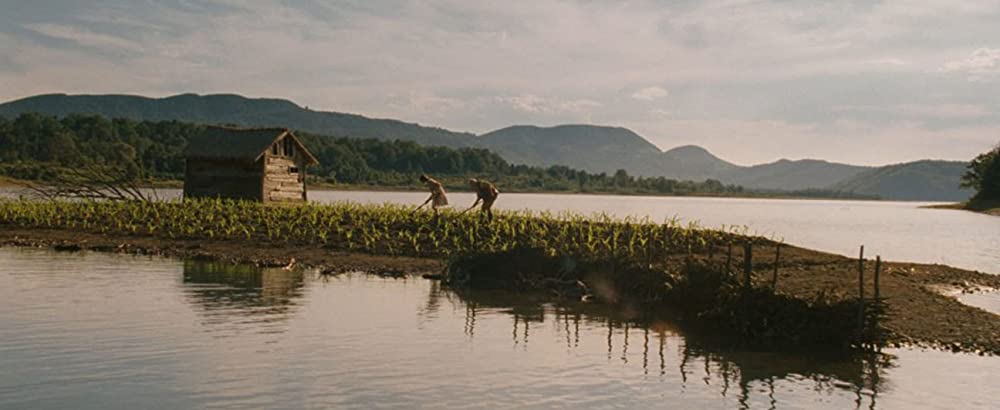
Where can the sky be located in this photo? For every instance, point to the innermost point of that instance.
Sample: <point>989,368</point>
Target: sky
<point>863,82</point>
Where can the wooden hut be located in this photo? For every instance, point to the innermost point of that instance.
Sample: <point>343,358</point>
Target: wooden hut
<point>261,164</point>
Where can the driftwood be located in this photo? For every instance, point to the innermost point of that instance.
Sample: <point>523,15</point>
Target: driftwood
<point>95,182</point>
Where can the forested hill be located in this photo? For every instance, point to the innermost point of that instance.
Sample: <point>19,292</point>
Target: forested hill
<point>591,148</point>
<point>35,147</point>
<point>588,147</point>
<point>234,109</point>
<point>917,180</point>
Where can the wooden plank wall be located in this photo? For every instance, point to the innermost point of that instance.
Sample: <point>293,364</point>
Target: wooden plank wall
<point>223,179</point>
<point>280,183</point>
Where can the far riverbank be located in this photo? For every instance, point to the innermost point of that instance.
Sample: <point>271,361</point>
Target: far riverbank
<point>983,207</point>
<point>458,184</point>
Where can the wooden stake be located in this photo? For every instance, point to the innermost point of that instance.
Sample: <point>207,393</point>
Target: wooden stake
<point>777,260</point>
<point>878,268</point>
<point>861,289</point>
<point>861,274</point>
<point>747,263</point>
<point>729,259</point>
<point>878,300</point>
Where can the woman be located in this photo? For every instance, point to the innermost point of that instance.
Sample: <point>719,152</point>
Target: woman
<point>438,197</point>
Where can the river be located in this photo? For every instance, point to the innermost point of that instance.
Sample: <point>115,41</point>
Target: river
<point>99,331</point>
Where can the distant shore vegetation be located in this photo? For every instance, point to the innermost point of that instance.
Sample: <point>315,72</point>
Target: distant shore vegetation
<point>984,176</point>
<point>39,148</point>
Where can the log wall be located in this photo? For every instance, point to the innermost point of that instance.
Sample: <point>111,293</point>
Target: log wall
<point>222,179</point>
<point>283,180</point>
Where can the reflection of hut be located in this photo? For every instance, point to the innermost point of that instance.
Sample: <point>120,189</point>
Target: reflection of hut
<point>242,289</point>
<point>263,164</point>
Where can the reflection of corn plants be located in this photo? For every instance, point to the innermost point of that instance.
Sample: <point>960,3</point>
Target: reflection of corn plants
<point>379,229</point>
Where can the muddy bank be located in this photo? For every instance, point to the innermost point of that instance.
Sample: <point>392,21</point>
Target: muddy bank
<point>918,313</point>
<point>256,253</point>
<point>809,286</point>
<point>919,302</point>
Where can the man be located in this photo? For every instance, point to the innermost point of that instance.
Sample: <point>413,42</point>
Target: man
<point>438,197</point>
<point>485,192</point>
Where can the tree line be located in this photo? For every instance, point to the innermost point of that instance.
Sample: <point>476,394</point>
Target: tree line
<point>36,147</point>
<point>984,175</point>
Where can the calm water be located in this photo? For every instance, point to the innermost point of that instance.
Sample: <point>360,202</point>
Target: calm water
<point>111,331</point>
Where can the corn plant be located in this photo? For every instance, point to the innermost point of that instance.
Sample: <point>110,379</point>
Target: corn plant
<point>378,229</point>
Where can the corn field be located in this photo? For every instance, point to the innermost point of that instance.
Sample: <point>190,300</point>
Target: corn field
<point>376,229</point>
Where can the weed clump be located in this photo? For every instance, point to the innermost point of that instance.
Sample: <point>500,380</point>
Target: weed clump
<point>704,295</point>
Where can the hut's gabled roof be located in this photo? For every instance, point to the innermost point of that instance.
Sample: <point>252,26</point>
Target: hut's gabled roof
<point>240,143</point>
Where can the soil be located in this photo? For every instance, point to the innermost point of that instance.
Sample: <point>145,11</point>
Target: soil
<point>257,253</point>
<point>921,308</point>
<point>920,311</point>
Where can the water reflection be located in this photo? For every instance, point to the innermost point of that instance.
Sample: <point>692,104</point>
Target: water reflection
<point>646,338</point>
<point>234,298</point>
<point>93,330</point>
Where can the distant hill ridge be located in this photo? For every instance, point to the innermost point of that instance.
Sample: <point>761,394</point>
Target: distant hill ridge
<point>918,180</point>
<point>588,147</point>
<point>234,109</point>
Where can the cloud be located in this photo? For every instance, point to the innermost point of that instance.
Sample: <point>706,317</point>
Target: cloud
<point>650,93</point>
<point>880,145</point>
<point>888,62</point>
<point>86,38</point>
<point>944,111</point>
<point>540,105</point>
<point>710,67</point>
<point>983,61</point>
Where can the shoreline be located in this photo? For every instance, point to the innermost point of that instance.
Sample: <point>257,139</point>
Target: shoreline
<point>7,182</point>
<point>237,252</point>
<point>373,188</point>
<point>991,207</point>
<point>922,311</point>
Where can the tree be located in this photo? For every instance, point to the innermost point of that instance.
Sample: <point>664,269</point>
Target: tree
<point>621,178</point>
<point>984,175</point>
<point>63,152</point>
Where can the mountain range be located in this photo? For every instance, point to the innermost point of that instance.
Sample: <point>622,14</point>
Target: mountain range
<point>589,147</point>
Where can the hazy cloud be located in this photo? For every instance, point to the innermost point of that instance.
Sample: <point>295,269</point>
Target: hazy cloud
<point>540,105</point>
<point>650,93</point>
<point>983,61</point>
<point>947,111</point>
<point>751,81</point>
<point>85,38</point>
